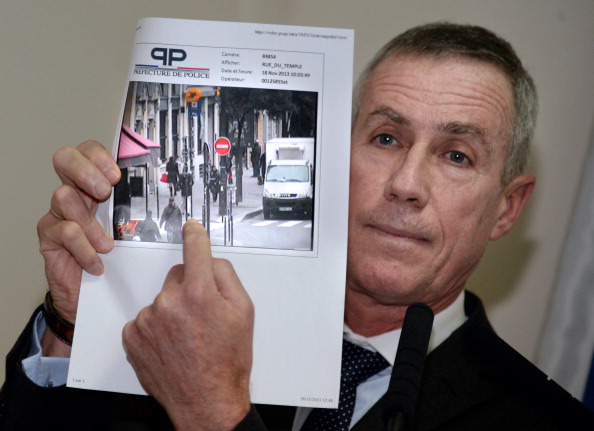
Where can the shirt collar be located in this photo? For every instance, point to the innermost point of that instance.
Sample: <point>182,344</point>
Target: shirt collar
<point>444,323</point>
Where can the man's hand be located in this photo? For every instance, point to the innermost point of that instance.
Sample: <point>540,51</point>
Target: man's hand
<point>192,348</point>
<point>69,235</point>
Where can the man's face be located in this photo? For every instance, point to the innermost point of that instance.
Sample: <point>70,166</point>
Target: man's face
<point>428,149</point>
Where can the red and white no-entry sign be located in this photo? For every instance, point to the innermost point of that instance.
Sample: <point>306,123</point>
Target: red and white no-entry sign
<point>222,146</point>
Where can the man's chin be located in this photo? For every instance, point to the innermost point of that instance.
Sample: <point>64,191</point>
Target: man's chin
<point>386,290</point>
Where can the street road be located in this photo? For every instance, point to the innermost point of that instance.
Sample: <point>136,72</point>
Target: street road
<point>259,233</point>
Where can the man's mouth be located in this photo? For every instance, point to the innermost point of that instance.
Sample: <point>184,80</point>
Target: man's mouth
<point>406,233</point>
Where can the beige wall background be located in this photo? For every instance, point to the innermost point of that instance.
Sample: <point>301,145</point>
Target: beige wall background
<point>63,71</point>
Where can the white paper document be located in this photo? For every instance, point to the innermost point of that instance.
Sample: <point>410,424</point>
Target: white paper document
<point>245,127</point>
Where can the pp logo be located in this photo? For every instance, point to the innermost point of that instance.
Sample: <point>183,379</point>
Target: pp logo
<point>168,55</point>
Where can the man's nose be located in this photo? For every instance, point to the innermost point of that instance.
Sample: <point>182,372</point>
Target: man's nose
<point>410,178</point>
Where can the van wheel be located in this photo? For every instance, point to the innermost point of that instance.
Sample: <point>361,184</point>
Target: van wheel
<point>266,214</point>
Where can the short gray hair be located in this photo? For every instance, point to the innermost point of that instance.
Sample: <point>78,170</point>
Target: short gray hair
<point>446,40</point>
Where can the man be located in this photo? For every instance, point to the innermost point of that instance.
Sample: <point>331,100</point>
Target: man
<point>147,230</point>
<point>172,218</point>
<point>442,121</point>
<point>214,183</point>
<point>255,158</point>
<point>186,182</point>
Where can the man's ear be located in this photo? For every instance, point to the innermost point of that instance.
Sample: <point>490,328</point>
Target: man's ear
<point>513,200</point>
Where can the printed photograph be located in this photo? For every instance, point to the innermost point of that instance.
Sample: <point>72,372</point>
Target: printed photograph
<point>239,160</point>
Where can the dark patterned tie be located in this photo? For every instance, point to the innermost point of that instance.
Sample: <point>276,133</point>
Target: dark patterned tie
<point>358,364</point>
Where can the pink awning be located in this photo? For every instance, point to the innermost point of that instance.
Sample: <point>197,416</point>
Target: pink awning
<point>145,142</point>
<point>129,148</point>
<point>135,149</point>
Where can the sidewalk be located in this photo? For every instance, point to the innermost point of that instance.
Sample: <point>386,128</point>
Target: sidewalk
<point>250,206</point>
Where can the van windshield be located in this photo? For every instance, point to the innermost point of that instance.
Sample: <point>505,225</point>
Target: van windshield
<point>282,173</point>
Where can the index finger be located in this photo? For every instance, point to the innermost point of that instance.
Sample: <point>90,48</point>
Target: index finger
<point>89,167</point>
<point>197,254</point>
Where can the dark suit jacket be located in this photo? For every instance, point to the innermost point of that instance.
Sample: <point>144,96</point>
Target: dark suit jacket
<point>472,381</point>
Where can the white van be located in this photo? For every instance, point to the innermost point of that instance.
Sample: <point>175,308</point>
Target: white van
<point>289,180</point>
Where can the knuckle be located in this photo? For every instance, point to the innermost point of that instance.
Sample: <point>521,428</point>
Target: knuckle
<point>89,144</point>
<point>63,160</point>
<point>61,154</point>
<point>249,309</point>
<point>126,332</point>
<point>95,152</point>
<point>85,171</point>
<point>159,304</point>
<point>177,269</point>
<point>130,338</point>
<point>222,264</point>
<point>195,294</point>
<point>80,165</point>
<point>141,324</point>
<point>62,195</point>
<point>162,308</point>
<point>70,231</point>
<point>174,274</point>
<point>43,224</point>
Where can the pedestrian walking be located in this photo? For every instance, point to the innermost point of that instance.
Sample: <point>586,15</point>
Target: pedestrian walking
<point>186,181</point>
<point>255,156</point>
<point>262,168</point>
<point>172,176</point>
<point>172,218</point>
<point>214,183</point>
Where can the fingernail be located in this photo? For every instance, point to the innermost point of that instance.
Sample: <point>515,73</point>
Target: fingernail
<point>102,189</point>
<point>105,243</point>
<point>96,268</point>
<point>113,175</point>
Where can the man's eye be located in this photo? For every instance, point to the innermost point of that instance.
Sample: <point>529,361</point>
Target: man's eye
<point>457,157</point>
<point>385,139</point>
